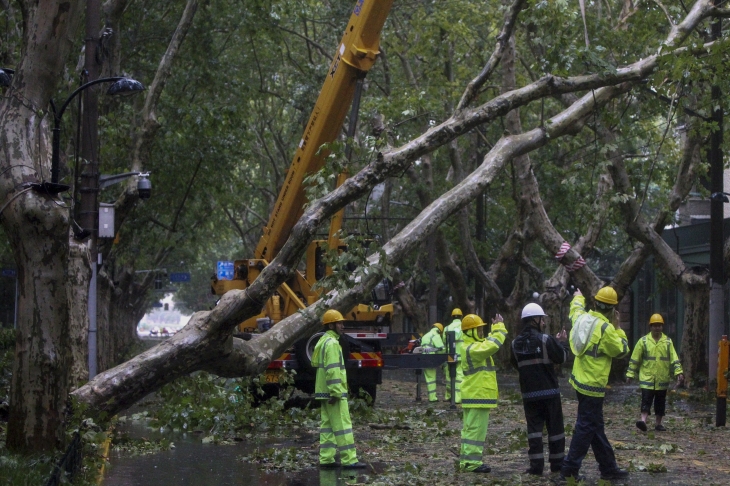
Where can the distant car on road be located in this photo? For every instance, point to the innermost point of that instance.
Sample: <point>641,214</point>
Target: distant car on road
<point>154,332</point>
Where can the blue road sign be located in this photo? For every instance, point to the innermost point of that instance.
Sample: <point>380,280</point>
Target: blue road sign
<point>157,304</point>
<point>224,270</point>
<point>180,277</point>
<point>9,272</point>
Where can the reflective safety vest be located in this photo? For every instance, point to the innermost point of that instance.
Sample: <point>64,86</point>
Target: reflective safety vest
<point>655,361</point>
<point>331,380</point>
<point>432,343</point>
<point>458,336</point>
<point>594,341</point>
<point>479,387</point>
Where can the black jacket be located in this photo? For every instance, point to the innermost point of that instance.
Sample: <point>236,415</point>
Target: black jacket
<point>534,354</point>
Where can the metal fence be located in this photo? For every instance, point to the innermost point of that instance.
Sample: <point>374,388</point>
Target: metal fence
<point>70,463</point>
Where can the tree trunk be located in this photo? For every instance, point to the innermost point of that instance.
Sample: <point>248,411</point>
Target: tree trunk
<point>696,322</point>
<point>79,271</point>
<point>37,226</point>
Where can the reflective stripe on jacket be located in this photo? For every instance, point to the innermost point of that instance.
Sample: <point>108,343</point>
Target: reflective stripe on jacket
<point>594,350</point>
<point>331,380</point>
<point>479,388</point>
<point>432,343</point>
<point>535,355</point>
<point>656,362</point>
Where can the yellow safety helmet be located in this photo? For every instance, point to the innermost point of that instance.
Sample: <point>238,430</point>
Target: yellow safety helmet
<point>456,312</point>
<point>332,316</point>
<point>472,321</point>
<point>656,319</point>
<point>607,295</point>
<point>439,326</point>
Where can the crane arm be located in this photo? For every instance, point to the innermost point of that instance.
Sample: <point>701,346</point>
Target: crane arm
<point>355,55</point>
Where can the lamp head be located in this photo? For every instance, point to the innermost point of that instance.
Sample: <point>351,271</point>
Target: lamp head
<point>144,186</point>
<point>125,86</point>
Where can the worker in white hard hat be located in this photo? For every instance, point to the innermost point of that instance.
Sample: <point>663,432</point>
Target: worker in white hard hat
<point>534,354</point>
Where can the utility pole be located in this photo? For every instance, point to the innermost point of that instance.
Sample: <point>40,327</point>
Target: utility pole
<point>717,275</point>
<point>89,186</point>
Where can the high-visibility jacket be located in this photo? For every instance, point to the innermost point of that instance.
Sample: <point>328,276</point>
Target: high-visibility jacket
<point>432,343</point>
<point>594,341</point>
<point>655,361</point>
<point>479,388</point>
<point>331,380</point>
<point>458,337</point>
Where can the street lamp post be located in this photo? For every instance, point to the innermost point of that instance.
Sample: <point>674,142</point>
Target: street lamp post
<point>122,85</point>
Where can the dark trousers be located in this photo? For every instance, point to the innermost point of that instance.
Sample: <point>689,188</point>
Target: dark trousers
<point>659,397</point>
<point>589,432</point>
<point>545,413</point>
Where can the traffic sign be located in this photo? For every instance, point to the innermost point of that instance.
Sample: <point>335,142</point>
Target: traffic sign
<point>9,272</point>
<point>157,304</point>
<point>224,270</point>
<point>180,277</point>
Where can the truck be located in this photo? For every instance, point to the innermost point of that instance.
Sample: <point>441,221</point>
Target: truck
<point>367,325</point>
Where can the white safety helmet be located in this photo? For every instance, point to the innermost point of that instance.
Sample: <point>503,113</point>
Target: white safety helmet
<point>532,310</point>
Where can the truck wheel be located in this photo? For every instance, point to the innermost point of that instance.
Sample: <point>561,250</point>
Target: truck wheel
<point>303,350</point>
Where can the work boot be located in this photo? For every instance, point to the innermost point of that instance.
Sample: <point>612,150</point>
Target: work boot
<point>482,469</point>
<point>534,471</point>
<point>355,465</point>
<point>641,425</point>
<point>576,477</point>
<point>329,465</point>
<point>615,474</point>
<point>660,428</point>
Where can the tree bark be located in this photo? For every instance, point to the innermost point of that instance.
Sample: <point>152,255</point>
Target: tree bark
<point>37,227</point>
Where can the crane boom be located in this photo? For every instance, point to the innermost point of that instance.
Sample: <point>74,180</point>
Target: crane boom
<point>355,55</point>
<point>368,323</point>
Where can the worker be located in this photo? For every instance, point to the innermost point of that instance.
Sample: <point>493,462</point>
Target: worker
<point>432,343</point>
<point>656,361</point>
<point>455,326</point>
<point>330,389</point>
<point>479,390</point>
<point>534,355</point>
<point>595,340</point>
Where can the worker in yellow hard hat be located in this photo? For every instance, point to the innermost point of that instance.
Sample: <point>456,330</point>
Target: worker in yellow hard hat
<point>656,361</point>
<point>479,391</point>
<point>432,343</point>
<point>330,389</point>
<point>455,327</point>
<point>594,340</point>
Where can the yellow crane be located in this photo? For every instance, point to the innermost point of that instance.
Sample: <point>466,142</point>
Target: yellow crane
<point>368,322</point>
